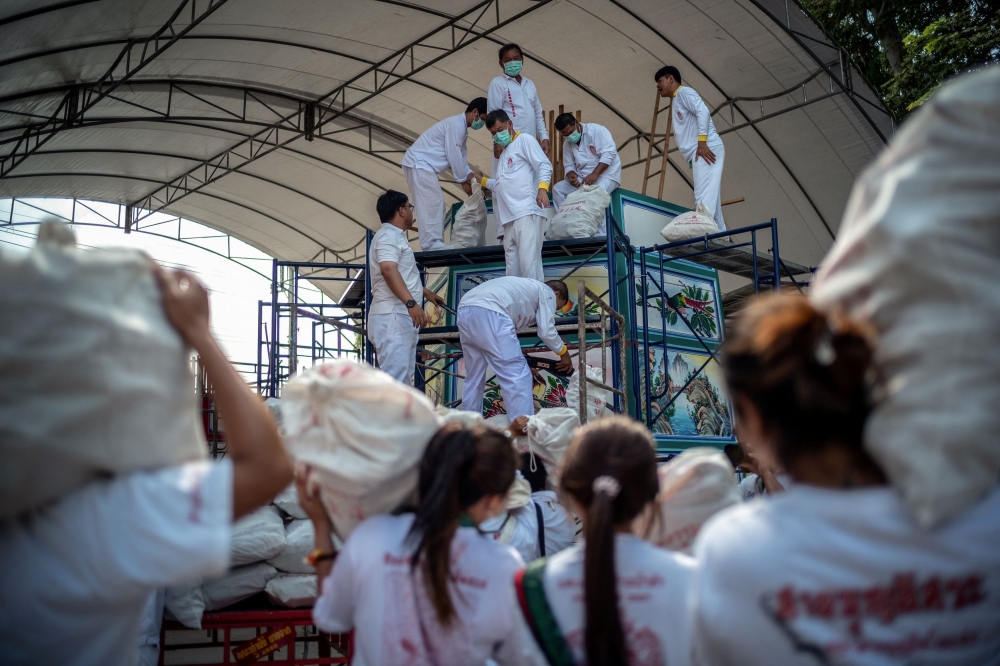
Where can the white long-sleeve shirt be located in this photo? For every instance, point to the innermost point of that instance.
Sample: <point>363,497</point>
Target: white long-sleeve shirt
<point>442,147</point>
<point>692,122</point>
<point>519,172</point>
<point>596,146</point>
<point>527,302</point>
<point>520,102</point>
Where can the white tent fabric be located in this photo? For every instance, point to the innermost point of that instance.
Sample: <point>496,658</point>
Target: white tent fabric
<point>792,156</point>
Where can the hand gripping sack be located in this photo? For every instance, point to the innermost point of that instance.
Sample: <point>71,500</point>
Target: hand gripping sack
<point>362,433</point>
<point>918,258</point>
<point>549,434</point>
<point>581,214</point>
<point>692,224</point>
<point>93,378</point>
<point>469,229</point>
<point>597,397</point>
<point>694,486</point>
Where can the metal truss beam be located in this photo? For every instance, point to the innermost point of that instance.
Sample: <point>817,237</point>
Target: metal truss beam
<point>401,66</point>
<point>132,59</point>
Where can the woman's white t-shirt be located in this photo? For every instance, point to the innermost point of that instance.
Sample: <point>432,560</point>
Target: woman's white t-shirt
<point>372,590</point>
<point>845,577</point>
<point>653,586</point>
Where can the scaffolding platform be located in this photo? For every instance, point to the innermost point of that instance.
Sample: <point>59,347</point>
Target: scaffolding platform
<point>722,256</point>
<point>449,334</point>
<point>488,254</point>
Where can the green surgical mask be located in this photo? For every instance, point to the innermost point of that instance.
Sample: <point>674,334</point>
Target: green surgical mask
<point>478,123</point>
<point>574,137</point>
<point>512,68</point>
<point>502,138</point>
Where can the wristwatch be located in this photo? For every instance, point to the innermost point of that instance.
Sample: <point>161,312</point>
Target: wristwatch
<point>411,304</point>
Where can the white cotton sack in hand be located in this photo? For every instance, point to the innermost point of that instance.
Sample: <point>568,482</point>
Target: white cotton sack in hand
<point>597,397</point>
<point>257,537</point>
<point>469,228</point>
<point>692,224</point>
<point>549,434</point>
<point>300,540</point>
<point>292,590</point>
<point>581,214</point>
<point>239,584</point>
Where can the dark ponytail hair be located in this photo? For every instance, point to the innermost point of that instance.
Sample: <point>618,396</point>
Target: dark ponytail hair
<point>610,470</point>
<point>804,371</point>
<point>459,467</point>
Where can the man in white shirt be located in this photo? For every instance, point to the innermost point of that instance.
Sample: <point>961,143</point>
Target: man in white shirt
<point>517,97</point>
<point>697,140</point>
<point>396,313</point>
<point>590,157</point>
<point>489,317</point>
<point>520,185</point>
<point>77,574</point>
<point>440,148</point>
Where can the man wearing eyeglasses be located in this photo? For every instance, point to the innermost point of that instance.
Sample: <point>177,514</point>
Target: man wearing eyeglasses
<point>396,314</point>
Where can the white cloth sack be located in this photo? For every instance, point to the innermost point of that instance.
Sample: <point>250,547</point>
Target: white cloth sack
<point>469,228</point>
<point>186,604</point>
<point>93,378</point>
<point>257,536</point>
<point>237,585</point>
<point>549,434</point>
<point>581,214</point>
<point>362,433</point>
<point>692,224</point>
<point>918,258</point>
<point>694,486</point>
<point>292,590</point>
<point>519,494</point>
<point>463,417</point>
<point>597,397</point>
<point>300,540</point>
<point>288,501</point>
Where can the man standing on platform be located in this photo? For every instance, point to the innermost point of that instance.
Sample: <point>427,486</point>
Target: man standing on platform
<point>520,185</point>
<point>396,314</point>
<point>435,151</point>
<point>516,96</point>
<point>489,317</point>
<point>697,140</point>
<point>590,157</point>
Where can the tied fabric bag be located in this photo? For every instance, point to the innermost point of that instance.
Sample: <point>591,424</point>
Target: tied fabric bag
<point>918,259</point>
<point>549,434</point>
<point>692,224</point>
<point>597,397</point>
<point>363,435</point>
<point>694,486</point>
<point>300,539</point>
<point>257,536</point>
<point>94,379</point>
<point>469,229</point>
<point>581,214</point>
<point>239,584</point>
<point>292,590</point>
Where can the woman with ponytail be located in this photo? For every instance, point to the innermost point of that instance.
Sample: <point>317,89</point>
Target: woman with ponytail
<point>834,570</point>
<point>613,599</point>
<point>425,587</point>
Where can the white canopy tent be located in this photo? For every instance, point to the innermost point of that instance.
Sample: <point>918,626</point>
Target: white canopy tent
<point>281,123</point>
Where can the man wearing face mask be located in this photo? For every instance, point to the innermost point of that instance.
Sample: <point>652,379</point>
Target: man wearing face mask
<point>516,96</point>
<point>435,151</point>
<point>520,185</point>
<point>590,158</point>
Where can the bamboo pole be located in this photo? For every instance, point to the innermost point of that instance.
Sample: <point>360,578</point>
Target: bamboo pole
<point>652,138</point>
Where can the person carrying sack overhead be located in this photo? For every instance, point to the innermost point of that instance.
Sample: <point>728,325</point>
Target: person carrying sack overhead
<point>489,317</point>
<point>613,599</point>
<point>440,148</point>
<point>424,586</point>
<point>520,186</point>
<point>697,140</point>
<point>396,314</point>
<point>590,157</point>
<point>516,96</point>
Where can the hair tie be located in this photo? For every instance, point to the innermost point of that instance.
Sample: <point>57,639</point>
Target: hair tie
<point>607,485</point>
<point>824,352</point>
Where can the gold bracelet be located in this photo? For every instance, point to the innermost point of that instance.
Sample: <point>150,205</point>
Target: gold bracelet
<point>318,555</point>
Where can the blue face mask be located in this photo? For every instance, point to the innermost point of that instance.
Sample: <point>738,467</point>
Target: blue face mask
<point>574,137</point>
<point>512,68</point>
<point>478,123</point>
<point>502,138</point>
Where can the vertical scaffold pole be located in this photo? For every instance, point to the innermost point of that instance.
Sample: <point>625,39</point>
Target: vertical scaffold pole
<point>581,321</point>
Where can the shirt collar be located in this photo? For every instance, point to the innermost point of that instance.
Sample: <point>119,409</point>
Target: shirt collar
<point>392,226</point>
<point>677,91</point>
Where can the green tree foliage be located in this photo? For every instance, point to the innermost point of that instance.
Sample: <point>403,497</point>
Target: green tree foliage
<point>906,48</point>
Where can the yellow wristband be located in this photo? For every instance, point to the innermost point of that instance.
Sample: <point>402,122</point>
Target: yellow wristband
<point>564,351</point>
<point>543,186</point>
<point>702,137</point>
<point>483,181</point>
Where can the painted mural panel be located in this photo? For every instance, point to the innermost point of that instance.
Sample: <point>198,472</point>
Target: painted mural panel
<point>679,304</point>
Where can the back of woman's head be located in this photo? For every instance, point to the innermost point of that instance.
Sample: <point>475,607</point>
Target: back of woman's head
<point>803,371</point>
<point>460,467</point>
<point>610,471</point>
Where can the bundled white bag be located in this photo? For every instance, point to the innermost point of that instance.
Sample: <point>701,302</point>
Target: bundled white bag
<point>692,224</point>
<point>597,397</point>
<point>694,486</point>
<point>186,604</point>
<point>93,378</point>
<point>292,590</point>
<point>469,229</point>
<point>257,537</point>
<point>300,540</point>
<point>464,418</point>
<point>288,501</point>
<point>918,258</point>
<point>237,585</point>
<point>581,213</point>
<point>549,434</point>
<point>362,433</point>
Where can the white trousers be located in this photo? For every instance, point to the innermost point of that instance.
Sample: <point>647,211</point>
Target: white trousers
<point>395,340</point>
<point>428,206</point>
<point>489,340</point>
<point>708,183</point>
<point>522,247</point>
<point>563,189</point>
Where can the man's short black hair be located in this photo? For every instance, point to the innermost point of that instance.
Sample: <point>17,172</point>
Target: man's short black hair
<point>389,203</point>
<point>667,70</point>
<point>564,120</point>
<point>478,104</point>
<point>508,47</point>
<point>496,116</point>
<point>559,287</point>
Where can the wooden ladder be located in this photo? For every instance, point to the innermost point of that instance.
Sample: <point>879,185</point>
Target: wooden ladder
<point>653,141</point>
<point>556,141</point>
